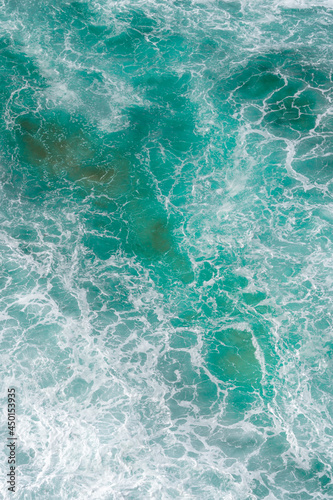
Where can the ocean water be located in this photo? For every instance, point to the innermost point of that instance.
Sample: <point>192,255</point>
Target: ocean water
<point>166,248</point>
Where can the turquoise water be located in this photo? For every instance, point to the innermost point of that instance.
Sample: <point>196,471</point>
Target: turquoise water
<point>166,248</point>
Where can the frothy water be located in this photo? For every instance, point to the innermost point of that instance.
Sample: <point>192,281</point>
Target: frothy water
<point>166,248</point>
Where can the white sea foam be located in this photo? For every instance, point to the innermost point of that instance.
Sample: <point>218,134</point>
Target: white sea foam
<point>119,396</point>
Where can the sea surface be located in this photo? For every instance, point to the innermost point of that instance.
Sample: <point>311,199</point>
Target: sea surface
<point>166,245</point>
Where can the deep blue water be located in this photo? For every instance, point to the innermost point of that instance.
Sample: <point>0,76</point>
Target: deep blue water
<point>166,248</point>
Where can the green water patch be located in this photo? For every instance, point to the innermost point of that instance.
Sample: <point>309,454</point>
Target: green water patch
<point>232,358</point>
<point>52,129</point>
<point>153,238</point>
<point>58,148</point>
<point>296,111</point>
<point>153,230</point>
<point>288,91</point>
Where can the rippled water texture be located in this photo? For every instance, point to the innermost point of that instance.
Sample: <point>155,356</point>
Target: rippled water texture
<point>166,248</point>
